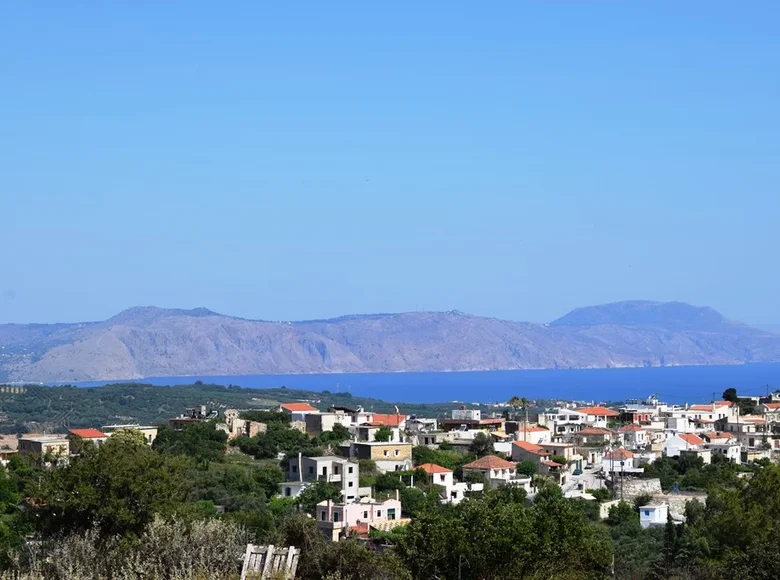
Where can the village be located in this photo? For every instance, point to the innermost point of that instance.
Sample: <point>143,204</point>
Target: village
<point>595,453</point>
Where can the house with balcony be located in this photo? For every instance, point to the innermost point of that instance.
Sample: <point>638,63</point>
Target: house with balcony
<point>562,421</point>
<point>750,431</point>
<point>331,469</point>
<point>469,419</point>
<point>337,520</point>
<point>298,411</point>
<point>497,472</point>
<point>597,416</point>
<point>634,435</point>
<point>451,491</point>
<point>93,436</point>
<point>388,456</point>
<point>682,442</point>
<point>770,411</point>
<point>618,460</point>
<point>593,437</point>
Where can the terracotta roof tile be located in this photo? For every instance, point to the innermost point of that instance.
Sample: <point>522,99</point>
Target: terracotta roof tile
<point>490,462</point>
<point>431,468</point>
<point>88,433</point>
<point>598,411</point>
<point>531,448</point>
<point>298,407</point>
<point>619,454</point>
<point>691,439</point>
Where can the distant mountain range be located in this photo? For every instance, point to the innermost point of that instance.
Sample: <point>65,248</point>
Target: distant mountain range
<point>148,341</point>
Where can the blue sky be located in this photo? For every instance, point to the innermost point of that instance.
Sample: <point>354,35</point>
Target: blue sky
<point>511,159</point>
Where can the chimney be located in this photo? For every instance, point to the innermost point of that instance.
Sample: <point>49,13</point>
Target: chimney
<point>300,468</point>
<point>397,495</point>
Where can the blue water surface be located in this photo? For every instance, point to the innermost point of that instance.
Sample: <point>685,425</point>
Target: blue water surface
<point>675,385</point>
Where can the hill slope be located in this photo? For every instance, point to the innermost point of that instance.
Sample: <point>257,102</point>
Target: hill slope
<point>143,342</point>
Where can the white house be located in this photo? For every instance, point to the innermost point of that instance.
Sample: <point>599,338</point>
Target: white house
<point>533,434</point>
<point>452,491</point>
<point>680,442</point>
<point>731,450</point>
<point>651,516</point>
<point>597,416</point>
<point>634,435</point>
<point>497,472</point>
<point>617,460</point>
<point>298,411</point>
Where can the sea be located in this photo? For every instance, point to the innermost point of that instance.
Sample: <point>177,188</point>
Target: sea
<point>673,385</point>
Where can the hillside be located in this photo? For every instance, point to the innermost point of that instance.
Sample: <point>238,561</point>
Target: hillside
<point>148,341</point>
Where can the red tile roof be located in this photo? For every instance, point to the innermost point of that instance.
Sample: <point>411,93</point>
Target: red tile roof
<point>598,411</point>
<point>431,468</point>
<point>619,454</point>
<point>594,431</point>
<point>691,439</point>
<point>490,462</point>
<point>718,405</point>
<point>718,435</point>
<point>533,429</point>
<point>298,407</point>
<point>88,433</point>
<point>531,448</point>
<point>773,406</point>
<point>631,427</point>
<point>552,464</point>
<point>388,419</point>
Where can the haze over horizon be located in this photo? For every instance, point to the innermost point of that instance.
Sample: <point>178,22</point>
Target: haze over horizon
<point>515,162</point>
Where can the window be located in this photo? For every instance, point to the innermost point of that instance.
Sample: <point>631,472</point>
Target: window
<point>336,469</point>
<point>379,513</point>
<point>351,469</point>
<point>647,513</point>
<point>324,471</point>
<point>294,468</point>
<point>385,452</point>
<point>335,516</point>
<point>365,515</point>
<point>350,484</point>
<point>324,515</point>
<point>287,491</point>
<point>441,477</point>
<point>311,469</point>
<point>397,453</point>
<point>391,514</point>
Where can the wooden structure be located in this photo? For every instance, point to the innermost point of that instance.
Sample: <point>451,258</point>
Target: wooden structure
<point>263,562</point>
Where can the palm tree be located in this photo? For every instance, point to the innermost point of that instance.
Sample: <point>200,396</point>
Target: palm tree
<point>521,403</point>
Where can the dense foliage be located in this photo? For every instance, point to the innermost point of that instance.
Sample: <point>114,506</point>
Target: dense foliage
<point>185,508</point>
<point>35,408</point>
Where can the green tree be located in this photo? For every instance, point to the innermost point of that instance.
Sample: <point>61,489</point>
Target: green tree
<point>317,492</point>
<point>481,445</point>
<point>730,394</point>
<point>118,487</point>
<point>527,467</point>
<point>383,434</point>
<point>202,441</point>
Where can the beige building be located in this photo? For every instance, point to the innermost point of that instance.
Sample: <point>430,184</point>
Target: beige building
<point>149,432</point>
<point>54,445</point>
<point>387,456</point>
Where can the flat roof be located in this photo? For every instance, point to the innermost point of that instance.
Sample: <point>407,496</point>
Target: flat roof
<point>46,438</point>
<point>328,458</point>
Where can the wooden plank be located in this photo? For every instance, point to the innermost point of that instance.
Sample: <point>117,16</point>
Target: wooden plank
<point>269,559</point>
<point>247,558</point>
<point>288,564</point>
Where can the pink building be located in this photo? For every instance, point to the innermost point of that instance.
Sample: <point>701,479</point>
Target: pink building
<point>335,519</point>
